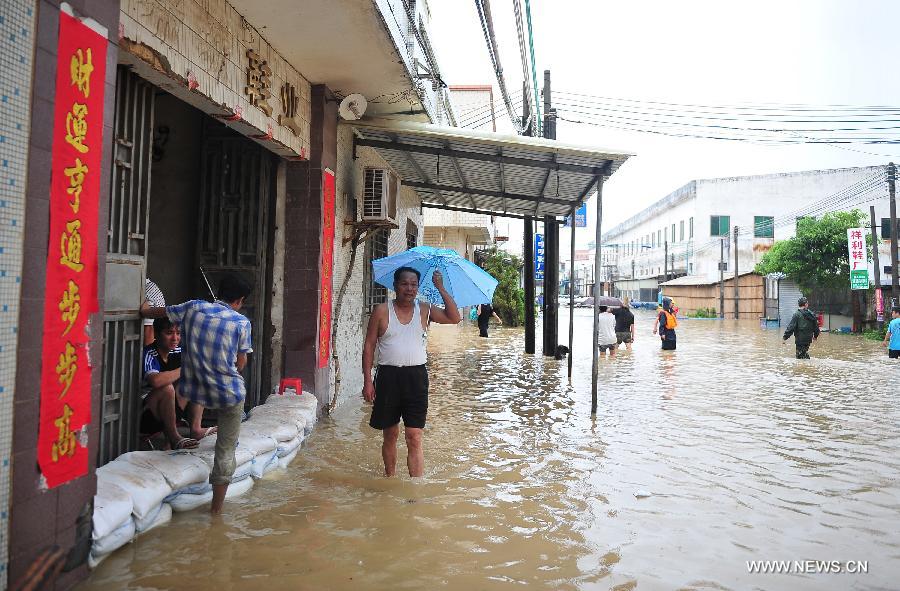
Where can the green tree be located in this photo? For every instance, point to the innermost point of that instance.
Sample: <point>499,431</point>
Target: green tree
<point>817,256</point>
<point>509,298</point>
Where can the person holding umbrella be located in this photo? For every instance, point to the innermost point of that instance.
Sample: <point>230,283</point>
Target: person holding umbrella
<point>397,331</point>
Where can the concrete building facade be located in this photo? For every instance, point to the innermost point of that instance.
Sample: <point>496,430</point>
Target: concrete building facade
<point>694,225</point>
<point>220,136</point>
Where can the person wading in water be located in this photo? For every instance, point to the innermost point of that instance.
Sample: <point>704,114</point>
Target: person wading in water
<point>665,324</point>
<point>398,330</point>
<point>804,326</point>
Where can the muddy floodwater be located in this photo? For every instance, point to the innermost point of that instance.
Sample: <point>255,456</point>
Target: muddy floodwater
<point>699,461</point>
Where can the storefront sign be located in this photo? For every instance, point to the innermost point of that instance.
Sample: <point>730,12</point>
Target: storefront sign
<point>580,217</point>
<point>856,245</point>
<point>327,267</point>
<point>879,305</point>
<point>539,257</point>
<point>71,287</point>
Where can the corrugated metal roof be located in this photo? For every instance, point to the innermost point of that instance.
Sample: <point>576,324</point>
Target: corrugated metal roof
<point>483,172</point>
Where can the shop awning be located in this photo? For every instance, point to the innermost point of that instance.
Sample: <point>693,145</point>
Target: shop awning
<point>482,172</point>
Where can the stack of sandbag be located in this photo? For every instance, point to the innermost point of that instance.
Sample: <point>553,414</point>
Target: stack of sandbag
<point>198,494</point>
<point>112,520</point>
<point>286,427</point>
<point>147,487</point>
<point>304,405</point>
<point>265,451</point>
<point>185,473</point>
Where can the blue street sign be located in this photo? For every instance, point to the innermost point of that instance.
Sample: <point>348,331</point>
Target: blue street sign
<point>539,257</point>
<point>580,217</point>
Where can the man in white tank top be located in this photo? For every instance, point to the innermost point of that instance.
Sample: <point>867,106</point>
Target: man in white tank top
<point>398,330</point>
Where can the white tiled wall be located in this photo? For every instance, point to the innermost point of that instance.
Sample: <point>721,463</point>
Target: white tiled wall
<point>351,323</point>
<point>17,20</point>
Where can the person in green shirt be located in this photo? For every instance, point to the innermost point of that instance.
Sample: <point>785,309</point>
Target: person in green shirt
<point>804,326</point>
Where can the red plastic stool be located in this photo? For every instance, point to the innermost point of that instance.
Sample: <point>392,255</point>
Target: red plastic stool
<point>290,383</point>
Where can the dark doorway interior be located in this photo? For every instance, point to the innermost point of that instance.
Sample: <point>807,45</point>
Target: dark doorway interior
<point>211,194</point>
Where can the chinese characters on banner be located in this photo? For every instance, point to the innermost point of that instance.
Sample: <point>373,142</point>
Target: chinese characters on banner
<point>327,267</point>
<point>539,257</point>
<point>859,258</point>
<point>71,288</point>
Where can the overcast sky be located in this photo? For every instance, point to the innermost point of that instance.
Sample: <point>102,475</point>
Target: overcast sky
<point>811,52</point>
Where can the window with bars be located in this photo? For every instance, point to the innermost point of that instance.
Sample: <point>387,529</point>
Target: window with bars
<point>376,248</point>
<point>412,235</point>
<point>681,231</point>
<point>719,224</point>
<point>673,232</point>
<point>691,228</point>
<point>763,226</point>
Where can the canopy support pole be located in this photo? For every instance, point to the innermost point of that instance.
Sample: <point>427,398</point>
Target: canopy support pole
<point>529,284</point>
<point>571,287</point>
<point>598,245</point>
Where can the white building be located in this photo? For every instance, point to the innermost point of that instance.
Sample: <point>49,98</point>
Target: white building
<point>694,225</point>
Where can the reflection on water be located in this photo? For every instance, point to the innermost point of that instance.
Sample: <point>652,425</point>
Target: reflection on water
<point>747,453</point>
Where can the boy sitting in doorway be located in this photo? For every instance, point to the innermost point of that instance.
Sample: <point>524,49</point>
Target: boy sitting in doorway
<point>161,404</point>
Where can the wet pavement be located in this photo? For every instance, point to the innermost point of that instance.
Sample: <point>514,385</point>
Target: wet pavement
<point>746,453</point>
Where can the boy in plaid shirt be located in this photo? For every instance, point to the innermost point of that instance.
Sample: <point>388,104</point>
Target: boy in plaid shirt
<point>215,342</point>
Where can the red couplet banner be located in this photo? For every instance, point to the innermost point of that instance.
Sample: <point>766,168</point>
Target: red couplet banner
<point>327,270</point>
<point>71,294</point>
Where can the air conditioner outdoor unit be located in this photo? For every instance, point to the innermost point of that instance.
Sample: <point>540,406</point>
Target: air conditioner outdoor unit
<point>380,188</point>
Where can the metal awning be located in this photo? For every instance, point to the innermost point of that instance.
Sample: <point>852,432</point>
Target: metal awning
<point>482,172</point>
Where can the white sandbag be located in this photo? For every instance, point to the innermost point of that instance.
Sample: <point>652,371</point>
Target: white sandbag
<point>156,518</point>
<point>112,508</point>
<point>240,473</point>
<point>236,489</point>
<point>264,463</point>
<point>305,400</point>
<point>147,488</point>
<point>285,461</point>
<point>287,447</point>
<point>206,451</point>
<point>179,468</point>
<point>283,429</point>
<point>189,502</point>
<point>257,443</point>
<point>281,414</point>
<point>113,540</point>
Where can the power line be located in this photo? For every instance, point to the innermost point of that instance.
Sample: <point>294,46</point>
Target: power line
<point>487,27</point>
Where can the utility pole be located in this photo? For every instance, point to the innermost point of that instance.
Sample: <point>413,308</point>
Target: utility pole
<point>722,278</point>
<point>736,287</point>
<point>875,263</point>
<point>595,355</point>
<point>551,241</point>
<point>529,250</point>
<point>666,260</point>
<point>895,280</point>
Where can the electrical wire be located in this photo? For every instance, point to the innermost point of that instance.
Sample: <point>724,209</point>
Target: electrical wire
<point>538,129</point>
<point>523,55</point>
<point>487,27</point>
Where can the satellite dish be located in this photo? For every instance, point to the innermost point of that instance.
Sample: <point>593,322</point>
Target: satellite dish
<point>353,107</point>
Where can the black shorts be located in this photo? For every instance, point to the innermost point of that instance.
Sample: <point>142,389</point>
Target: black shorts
<point>400,392</point>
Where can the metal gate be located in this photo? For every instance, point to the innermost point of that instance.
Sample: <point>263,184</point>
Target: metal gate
<point>125,265</point>
<point>235,190</point>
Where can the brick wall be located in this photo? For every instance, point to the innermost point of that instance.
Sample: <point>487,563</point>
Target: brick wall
<point>39,518</point>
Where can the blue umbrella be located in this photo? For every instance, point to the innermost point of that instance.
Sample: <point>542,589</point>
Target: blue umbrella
<point>468,283</point>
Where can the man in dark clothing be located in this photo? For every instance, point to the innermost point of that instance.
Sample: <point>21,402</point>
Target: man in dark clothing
<point>624,324</point>
<point>485,313</point>
<point>805,328</point>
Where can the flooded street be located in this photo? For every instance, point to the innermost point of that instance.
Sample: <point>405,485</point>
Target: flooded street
<point>746,453</point>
